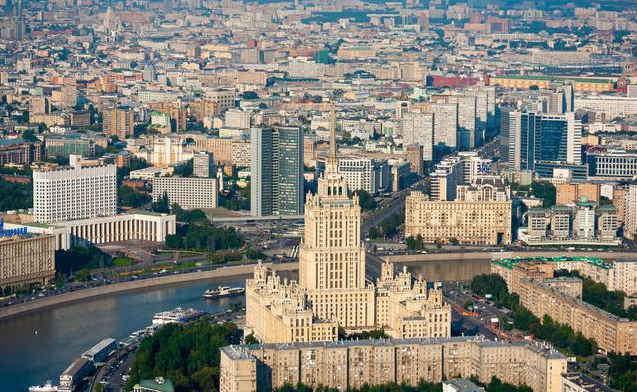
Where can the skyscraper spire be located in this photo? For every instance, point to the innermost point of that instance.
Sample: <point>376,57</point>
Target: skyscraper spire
<point>332,160</point>
<point>332,132</point>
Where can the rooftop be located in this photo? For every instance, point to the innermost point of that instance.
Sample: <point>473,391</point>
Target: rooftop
<point>509,263</point>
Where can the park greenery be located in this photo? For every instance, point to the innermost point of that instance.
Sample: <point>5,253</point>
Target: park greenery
<point>199,235</point>
<point>128,197</point>
<point>373,334</point>
<point>15,196</point>
<point>622,372</point>
<point>541,190</point>
<point>598,295</point>
<point>415,243</point>
<point>388,228</point>
<point>79,259</point>
<point>365,200</point>
<point>237,199</point>
<point>187,355</point>
<point>561,336</point>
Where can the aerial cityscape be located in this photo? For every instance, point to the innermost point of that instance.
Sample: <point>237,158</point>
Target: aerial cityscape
<point>318,195</point>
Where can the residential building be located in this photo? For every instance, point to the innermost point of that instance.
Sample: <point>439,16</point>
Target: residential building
<point>351,364</point>
<point>188,192</point>
<point>467,222</point>
<point>235,118</point>
<point>415,156</point>
<point>74,192</point>
<point>418,128</point>
<point>630,212</point>
<point>118,122</point>
<point>612,333</point>
<point>26,259</point>
<point>568,193</point>
<point>19,152</point>
<point>277,171</point>
<point>365,173</point>
<point>445,123</point>
<point>578,382</point>
<point>203,165</point>
<point>582,223</point>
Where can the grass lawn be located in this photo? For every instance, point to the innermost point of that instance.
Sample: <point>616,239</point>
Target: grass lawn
<point>122,261</point>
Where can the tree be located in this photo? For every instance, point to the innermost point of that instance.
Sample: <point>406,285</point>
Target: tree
<point>365,200</point>
<point>186,354</point>
<point>128,197</point>
<point>184,169</point>
<point>162,204</point>
<point>29,135</point>
<point>251,339</point>
<point>174,241</point>
<point>250,95</point>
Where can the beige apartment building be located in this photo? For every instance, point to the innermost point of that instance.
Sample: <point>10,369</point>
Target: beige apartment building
<point>118,122</point>
<point>543,295</point>
<point>568,193</point>
<point>25,260</point>
<point>468,222</point>
<point>350,364</point>
<point>332,279</point>
<point>620,274</point>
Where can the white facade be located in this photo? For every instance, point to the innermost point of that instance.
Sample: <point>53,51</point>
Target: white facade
<point>445,123</point>
<point>613,106</point>
<point>362,173</point>
<point>236,118</point>
<point>418,128</point>
<point>187,192</point>
<point>630,212</point>
<point>135,225</point>
<point>75,192</point>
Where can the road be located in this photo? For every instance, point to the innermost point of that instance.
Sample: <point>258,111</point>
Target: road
<point>386,208</point>
<point>144,282</point>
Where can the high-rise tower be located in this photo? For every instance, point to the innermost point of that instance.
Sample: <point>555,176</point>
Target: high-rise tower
<point>331,256</point>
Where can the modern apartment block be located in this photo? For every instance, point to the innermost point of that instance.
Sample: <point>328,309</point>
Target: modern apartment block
<point>277,171</point>
<point>415,156</point>
<point>418,128</point>
<point>27,259</point>
<point>203,164</point>
<point>351,364</point>
<point>463,168</point>
<point>467,222</point>
<point>188,192</point>
<point>445,123</point>
<point>365,173</point>
<point>582,223</point>
<point>118,122</point>
<point>532,282</point>
<point>74,192</point>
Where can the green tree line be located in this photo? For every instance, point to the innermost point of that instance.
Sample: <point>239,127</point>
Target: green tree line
<point>15,196</point>
<point>560,335</point>
<point>187,355</point>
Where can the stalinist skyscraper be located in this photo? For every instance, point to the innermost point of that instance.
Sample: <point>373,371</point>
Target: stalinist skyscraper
<point>332,256</point>
<point>331,291</point>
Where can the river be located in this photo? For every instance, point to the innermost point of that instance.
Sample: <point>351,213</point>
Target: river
<point>65,332</point>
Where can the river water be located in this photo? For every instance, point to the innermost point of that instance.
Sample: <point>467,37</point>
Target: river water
<point>65,332</point>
